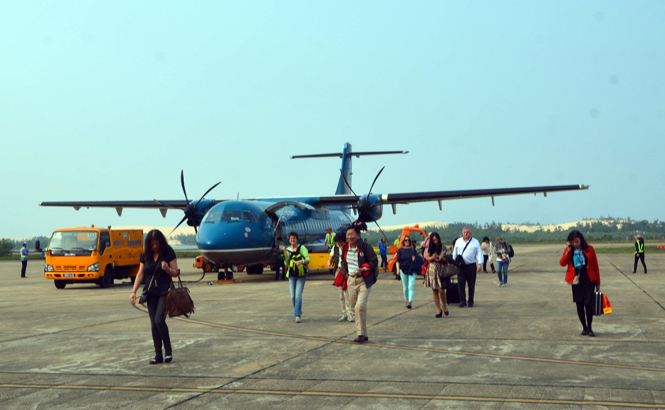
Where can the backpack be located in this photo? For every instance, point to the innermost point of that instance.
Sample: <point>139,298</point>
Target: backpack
<point>417,264</point>
<point>509,249</point>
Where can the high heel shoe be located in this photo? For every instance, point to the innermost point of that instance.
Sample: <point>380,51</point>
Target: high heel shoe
<point>440,314</point>
<point>446,312</point>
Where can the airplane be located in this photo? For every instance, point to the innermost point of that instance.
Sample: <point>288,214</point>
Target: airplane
<point>244,231</point>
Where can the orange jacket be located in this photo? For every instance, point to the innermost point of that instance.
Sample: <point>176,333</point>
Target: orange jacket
<point>592,265</point>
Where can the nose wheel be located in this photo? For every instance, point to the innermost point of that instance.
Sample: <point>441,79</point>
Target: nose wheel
<point>225,272</point>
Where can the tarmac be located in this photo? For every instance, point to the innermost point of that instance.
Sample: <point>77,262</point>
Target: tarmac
<point>519,348</point>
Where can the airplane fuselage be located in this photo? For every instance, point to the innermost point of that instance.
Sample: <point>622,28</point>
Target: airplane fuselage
<point>242,232</point>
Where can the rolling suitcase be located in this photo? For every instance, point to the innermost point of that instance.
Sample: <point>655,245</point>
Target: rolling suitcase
<point>452,292</point>
<point>598,304</point>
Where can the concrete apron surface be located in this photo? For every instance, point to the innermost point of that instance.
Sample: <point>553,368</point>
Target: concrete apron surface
<point>520,346</point>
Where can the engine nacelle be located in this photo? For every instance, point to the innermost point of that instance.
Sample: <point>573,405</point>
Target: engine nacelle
<point>370,208</point>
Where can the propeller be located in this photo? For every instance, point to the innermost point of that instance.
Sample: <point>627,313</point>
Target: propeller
<point>190,210</point>
<point>364,206</point>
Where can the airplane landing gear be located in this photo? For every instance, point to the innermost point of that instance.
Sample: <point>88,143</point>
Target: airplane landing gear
<point>225,272</point>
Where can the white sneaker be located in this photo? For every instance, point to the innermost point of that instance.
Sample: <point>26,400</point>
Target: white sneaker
<point>505,284</point>
<point>298,319</point>
<point>350,319</point>
<point>343,318</point>
<point>499,284</point>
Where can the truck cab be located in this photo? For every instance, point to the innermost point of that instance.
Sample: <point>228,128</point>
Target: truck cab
<point>92,255</point>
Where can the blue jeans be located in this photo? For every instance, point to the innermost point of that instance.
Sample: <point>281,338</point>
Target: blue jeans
<point>296,286</point>
<point>500,266</point>
<point>408,285</point>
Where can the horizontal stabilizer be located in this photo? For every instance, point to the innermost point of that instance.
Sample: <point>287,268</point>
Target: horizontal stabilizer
<point>352,154</point>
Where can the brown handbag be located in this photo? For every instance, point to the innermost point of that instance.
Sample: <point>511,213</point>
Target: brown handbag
<point>178,301</point>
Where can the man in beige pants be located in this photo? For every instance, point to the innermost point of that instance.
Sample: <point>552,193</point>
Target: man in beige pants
<point>359,266</point>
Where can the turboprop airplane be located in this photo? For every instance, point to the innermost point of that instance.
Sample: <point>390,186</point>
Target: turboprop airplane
<point>244,231</point>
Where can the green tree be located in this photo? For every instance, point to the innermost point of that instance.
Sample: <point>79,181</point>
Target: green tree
<point>6,247</point>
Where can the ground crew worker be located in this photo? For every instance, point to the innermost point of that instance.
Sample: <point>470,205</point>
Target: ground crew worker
<point>330,239</point>
<point>639,253</point>
<point>24,259</point>
<point>279,266</point>
<point>396,242</point>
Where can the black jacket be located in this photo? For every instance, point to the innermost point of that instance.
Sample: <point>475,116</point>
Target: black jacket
<point>366,255</point>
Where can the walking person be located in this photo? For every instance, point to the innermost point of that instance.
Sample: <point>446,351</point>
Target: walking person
<point>468,256</point>
<point>24,259</point>
<point>383,252</point>
<point>359,266</point>
<point>158,265</point>
<point>639,253</point>
<point>502,261</point>
<point>583,274</point>
<point>340,280</point>
<point>279,266</point>
<point>405,256</point>
<point>296,259</point>
<point>488,251</point>
<point>436,255</point>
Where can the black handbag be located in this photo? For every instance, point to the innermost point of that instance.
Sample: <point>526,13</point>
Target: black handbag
<point>459,260</point>
<point>144,295</point>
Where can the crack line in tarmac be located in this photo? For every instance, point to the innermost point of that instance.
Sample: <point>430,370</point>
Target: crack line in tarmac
<point>420,349</point>
<point>341,394</point>
<point>633,282</point>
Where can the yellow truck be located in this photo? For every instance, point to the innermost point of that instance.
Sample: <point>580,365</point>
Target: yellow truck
<point>93,255</point>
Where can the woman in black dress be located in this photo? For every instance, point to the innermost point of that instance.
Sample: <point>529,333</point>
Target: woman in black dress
<point>158,265</point>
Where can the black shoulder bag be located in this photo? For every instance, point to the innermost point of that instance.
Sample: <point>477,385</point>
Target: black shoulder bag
<point>146,291</point>
<point>459,260</point>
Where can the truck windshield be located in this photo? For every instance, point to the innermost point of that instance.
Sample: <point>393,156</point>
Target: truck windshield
<point>73,243</point>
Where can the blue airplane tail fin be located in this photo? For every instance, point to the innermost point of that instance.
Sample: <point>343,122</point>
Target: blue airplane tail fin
<point>347,168</point>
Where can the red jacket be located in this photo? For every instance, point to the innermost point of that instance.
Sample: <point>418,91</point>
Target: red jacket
<point>592,265</point>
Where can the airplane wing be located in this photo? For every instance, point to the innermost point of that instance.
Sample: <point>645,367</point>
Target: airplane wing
<point>163,206</point>
<point>406,198</point>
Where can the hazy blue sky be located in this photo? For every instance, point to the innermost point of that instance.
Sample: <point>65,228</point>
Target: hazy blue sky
<point>110,100</point>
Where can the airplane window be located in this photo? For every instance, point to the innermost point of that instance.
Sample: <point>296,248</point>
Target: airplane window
<point>214,216</point>
<point>232,216</point>
<point>250,216</point>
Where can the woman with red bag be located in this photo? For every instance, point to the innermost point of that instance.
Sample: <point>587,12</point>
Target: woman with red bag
<point>584,276</point>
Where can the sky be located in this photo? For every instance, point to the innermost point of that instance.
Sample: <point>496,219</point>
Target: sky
<point>111,100</point>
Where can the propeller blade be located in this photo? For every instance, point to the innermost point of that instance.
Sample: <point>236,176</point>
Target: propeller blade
<point>377,177</point>
<point>384,235</point>
<point>347,184</point>
<point>182,182</point>
<point>211,188</point>
<point>184,218</point>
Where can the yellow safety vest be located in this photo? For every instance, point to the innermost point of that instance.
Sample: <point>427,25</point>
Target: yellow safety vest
<point>330,240</point>
<point>396,243</point>
<point>295,257</point>
<point>640,247</point>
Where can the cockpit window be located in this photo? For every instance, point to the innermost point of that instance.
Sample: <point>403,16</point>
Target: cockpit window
<point>214,216</point>
<point>251,216</point>
<point>232,216</point>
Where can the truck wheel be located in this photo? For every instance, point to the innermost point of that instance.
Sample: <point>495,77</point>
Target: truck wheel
<point>60,284</point>
<point>107,279</point>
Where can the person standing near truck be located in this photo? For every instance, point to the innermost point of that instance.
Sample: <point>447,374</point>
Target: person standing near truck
<point>159,265</point>
<point>639,253</point>
<point>24,259</point>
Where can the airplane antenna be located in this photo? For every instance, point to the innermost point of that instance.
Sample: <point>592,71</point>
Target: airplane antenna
<point>238,197</point>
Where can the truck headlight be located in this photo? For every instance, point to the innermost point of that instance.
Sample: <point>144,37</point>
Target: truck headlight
<point>94,267</point>
<point>48,268</point>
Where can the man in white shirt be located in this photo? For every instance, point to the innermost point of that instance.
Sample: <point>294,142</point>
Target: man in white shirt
<point>469,263</point>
